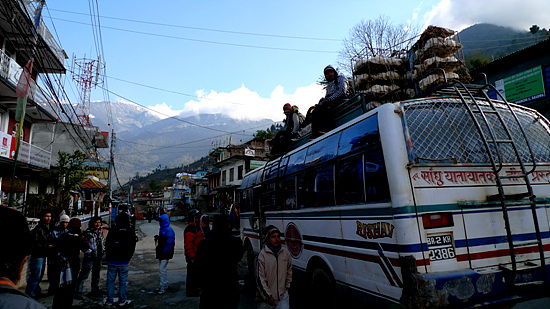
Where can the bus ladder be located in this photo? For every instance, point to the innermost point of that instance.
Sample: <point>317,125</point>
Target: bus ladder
<point>489,138</point>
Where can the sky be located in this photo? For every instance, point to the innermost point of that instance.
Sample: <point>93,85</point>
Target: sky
<point>241,58</point>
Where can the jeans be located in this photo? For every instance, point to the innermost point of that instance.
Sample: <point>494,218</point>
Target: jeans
<point>163,274</point>
<point>93,265</point>
<point>36,272</point>
<point>112,271</point>
<point>282,304</point>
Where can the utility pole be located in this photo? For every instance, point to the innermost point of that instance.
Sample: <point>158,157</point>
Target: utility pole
<point>111,164</point>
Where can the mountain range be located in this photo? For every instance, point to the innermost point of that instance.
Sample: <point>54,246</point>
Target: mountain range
<point>145,143</point>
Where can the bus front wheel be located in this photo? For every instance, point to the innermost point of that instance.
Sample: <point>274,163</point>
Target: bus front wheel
<point>323,292</point>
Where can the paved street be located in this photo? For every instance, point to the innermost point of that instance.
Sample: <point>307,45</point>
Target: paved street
<point>144,279</point>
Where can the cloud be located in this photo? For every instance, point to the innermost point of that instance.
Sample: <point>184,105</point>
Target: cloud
<point>164,110</point>
<point>517,14</point>
<point>243,103</point>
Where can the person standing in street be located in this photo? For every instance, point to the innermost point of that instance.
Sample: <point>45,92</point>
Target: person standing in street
<point>53,262</point>
<point>15,235</point>
<point>165,240</point>
<point>192,236</point>
<point>42,244</point>
<point>274,272</point>
<point>120,246</point>
<point>205,225</point>
<point>68,248</point>
<point>92,261</point>
<point>217,260</point>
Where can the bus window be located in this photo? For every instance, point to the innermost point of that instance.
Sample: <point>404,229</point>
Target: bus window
<point>289,198</point>
<point>350,181</point>
<point>376,180</point>
<point>363,134</point>
<point>324,185</point>
<point>323,151</point>
<point>301,190</point>
<point>296,162</point>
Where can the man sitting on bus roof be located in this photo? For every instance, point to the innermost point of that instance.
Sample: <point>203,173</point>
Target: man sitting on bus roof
<point>336,94</point>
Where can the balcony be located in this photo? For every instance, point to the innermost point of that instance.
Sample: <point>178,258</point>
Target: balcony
<point>28,153</point>
<point>16,22</point>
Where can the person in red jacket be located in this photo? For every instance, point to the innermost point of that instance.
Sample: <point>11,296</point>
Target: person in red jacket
<point>192,237</point>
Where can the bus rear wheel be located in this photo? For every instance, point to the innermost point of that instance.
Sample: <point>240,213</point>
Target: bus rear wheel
<point>322,292</point>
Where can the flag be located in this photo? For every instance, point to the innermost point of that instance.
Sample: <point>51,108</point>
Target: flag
<point>38,14</point>
<point>22,91</point>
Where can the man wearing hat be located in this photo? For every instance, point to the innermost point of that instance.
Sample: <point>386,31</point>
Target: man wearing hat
<point>274,272</point>
<point>53,263</point>
<point>15,235</point>
<point>336,94</point>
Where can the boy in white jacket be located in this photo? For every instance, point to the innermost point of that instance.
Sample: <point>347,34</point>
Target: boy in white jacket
<point>274,272</point>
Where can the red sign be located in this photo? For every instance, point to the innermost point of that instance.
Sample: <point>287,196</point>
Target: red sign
<point>293,240</point>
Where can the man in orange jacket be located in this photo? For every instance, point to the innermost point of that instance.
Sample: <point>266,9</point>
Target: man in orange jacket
<point>192,236</point>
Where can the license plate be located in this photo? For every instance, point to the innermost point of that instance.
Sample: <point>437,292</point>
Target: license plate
<point>441,247</point>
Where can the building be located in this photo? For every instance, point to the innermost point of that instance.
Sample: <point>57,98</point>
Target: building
<point>230,165</point>
<point>23,36</point>
<point>523,77</point>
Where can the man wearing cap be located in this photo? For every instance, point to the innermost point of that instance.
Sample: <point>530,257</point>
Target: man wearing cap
<point>292,126</point>
<point>42,244</point>
<point>274,272</point>
<point>53,265</point>
<point>336,94</point>
<point>15,235</point>
<point>92,260</point>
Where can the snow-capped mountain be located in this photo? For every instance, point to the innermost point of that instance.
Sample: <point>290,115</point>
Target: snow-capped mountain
<point>144,141</point>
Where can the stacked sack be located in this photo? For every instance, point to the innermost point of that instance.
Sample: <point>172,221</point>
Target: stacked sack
<point>435,53</point>
<point>378,75</point>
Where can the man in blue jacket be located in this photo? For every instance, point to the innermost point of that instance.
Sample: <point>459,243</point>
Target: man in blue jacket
<point>165,240</point>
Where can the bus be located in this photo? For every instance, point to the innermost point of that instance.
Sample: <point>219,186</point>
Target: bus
<point>423,203</point>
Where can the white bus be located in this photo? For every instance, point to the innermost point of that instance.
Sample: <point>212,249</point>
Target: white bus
<point>423,203</point>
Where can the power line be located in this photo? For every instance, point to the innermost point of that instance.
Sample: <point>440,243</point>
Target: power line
<point>207,29</point>
<point>203,41</point>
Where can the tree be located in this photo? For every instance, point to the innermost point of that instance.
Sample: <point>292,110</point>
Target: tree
<point>263,134</point>
<point>377,37</point>
<point>153,185</point>
<point>68,176</point>
<point>534,29</point>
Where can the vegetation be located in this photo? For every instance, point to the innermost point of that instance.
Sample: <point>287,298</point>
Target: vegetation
<point>263,134</point>
<point>68,176</point>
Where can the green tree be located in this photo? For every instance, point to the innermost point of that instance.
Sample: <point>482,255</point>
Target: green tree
<point>476,60</point>
<point>534,29</point>
<point>263,134</point>
<point>153,185</point>
<point>68,176</point>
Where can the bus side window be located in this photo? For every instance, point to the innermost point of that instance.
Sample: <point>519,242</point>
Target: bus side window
<point>324,185</point>
<point>289,197</point>
<point>301,193</point>
<point>376,180</point>
<point>350,181</point>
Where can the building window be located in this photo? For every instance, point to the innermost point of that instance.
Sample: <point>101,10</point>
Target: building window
<point>224,177</point>
<point>240,172</point>
<point>231,174</point>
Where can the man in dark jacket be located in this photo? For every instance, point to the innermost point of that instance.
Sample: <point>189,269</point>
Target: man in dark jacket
<point>42,244</point>
<point>219,278</point>
<point>15,235</point>
<point>68,247</point>
<point>92,260</point>
<point>166,240</point>
<point>120,247</point>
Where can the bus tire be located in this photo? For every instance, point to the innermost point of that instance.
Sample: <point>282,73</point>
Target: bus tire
<point>322,292</point>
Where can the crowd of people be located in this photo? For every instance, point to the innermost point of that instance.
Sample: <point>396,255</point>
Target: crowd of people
<point>212,279</point>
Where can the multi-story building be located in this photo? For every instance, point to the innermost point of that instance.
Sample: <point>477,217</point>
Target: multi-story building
<point>23,36</point>
<point>231,163</point>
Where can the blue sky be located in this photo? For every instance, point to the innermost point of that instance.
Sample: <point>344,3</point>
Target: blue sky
<point>238,57</point>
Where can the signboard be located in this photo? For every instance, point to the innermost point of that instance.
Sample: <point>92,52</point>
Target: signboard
<point>255,164</point>
<point>250,152</point>
<point>5,144</point>
<point>522,87</point>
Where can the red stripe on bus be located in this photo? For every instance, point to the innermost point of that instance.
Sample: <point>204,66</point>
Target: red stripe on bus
<point>499,253</point>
